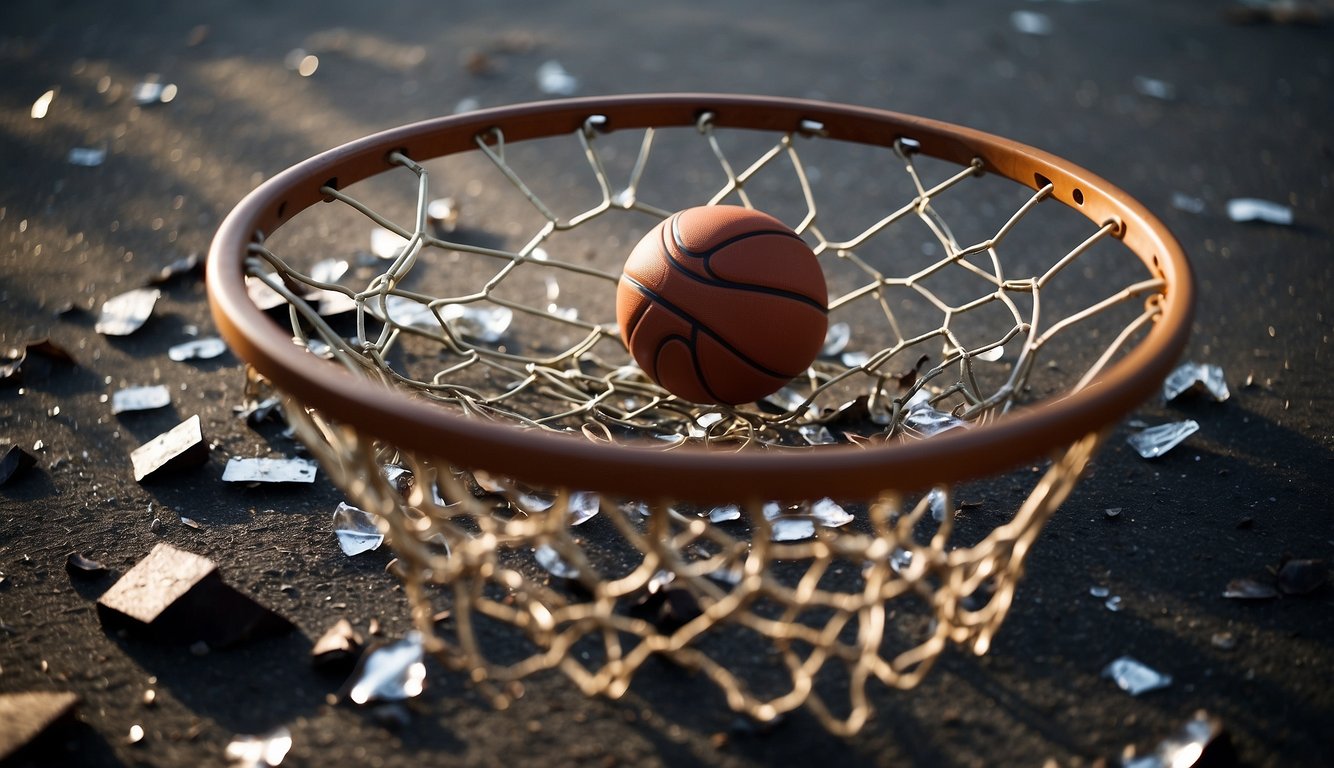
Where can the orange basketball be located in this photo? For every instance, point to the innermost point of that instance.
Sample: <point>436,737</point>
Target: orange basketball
<point>722,304</point>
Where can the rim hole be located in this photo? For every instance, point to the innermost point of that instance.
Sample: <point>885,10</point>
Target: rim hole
<point>1043,181</point>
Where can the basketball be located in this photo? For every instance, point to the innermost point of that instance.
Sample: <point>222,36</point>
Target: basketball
<point>722,304</point>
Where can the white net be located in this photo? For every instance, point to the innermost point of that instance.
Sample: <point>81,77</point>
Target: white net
<point>952,301</point>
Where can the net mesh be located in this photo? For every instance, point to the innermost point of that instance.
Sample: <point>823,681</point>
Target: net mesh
<point>509,317</point>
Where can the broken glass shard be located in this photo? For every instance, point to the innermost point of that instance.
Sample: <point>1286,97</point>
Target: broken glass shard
<point>1113,603</point>
<point>181,447</point>
<point>42,105</point>
<point>263,751</point>
<point>485,324</point>
<point>1155,441</point>
<point>1031,22</point>
<point>531,502</point>
<point>387,245</point>
<point>87,157</point>
<point>259,470</point>
<point>1187,203</point>
<point>836,339</point>
<point>583,506</point>
<point>936,502</point>
<point>78,565</point>
<point>900,559</point>
<point>1302,577</point>
<point>817,434</point>
<point>199,349</point>
<point>14,462</point>
<point>922,420</point>
<point>1243,209</point>
<point>178,267</point>
<point>553,79</point>
<point>792,529</point>
<point>406,312</point>
<point>126,313</point>
<point>356,530</point>
<point>1155,88</point>
<point>390,672</point>
<point>338,647</point>
<point>140,398</point>
<point>725,513</point>
<point>1135,678</point>
<point>991,355</point>
<point>854,359</point>
<point>1200,743</point>
<point>262,296</point>
<point>830,513</point>
<point>1200,377</point>
<point>547,557</point>
<point>1099,591</point>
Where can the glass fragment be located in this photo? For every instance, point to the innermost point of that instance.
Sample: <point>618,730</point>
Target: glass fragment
<point>140,398</point>
<point>199,349</point>
<point>263,751</point>
<point>836,339</point>
<point>392,672</point>
<point>547,557</point>
<point>126,313</point>
<point>87,157</point>
<point>830,513</point>
<point>356,530</point>
<point>261,470</point>
<point>553,79</point>
<point>583,506</point>
<point>1244,209</point>
<point>1156,441</point>
<point>725,513</point>
<point>1134,677</point>
<point>1201,377</point>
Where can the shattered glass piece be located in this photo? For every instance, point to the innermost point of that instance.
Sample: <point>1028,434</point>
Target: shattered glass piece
<point>258,412</point>
<point>140,398</point>
<point>338,647</point>
<point>328,270</point>
<point>922,420</point>
<point>830,513</point>
<point>792,528</point>
<point>553,79</point>
<point>390,672</point>
<point>181,447</point>
<point>78,565</point>
<point>817,434</point>
<point>550,560</point>
<point>485,324</point>
<point>1201,742</point>
<point>1187,203</point>
<point>1099,591</point>
<point>1112,512</point>
<point>1155,441</point>
<point>262,296</point>
<point>356,530</point>
<point>1302,577</point>
<point>27,715</point>
<point>181,266</point>
<point>259,470</point>
<point>263,751</point>
<point>699,428</point>
<point>836,339</point>
<point>386,244</point>
<point>638,507</point>
<point>443,212</point>
<point>1201,377</point>
<point>1113,603</point>
<point>191,523</point>
<point>583,506</point>
<point>42,105</point>
<point>1155,88</point>
<point>1134,677</point>
<point>854,359</point>
<point>175,596</point>
<point>126,313</point>
<point>991,355</point>
<point>936,502</point>
<point>14,462</point>
<point>531,502</point>
<point>86,157</point>
<point>786,400</point>
<point>725,513</point>
<point>900,559</point>
<point>406,312</point>
<point>1031,22</point>
<point>1243,209</point>
<point>659,581</point>
<point>199,349</point>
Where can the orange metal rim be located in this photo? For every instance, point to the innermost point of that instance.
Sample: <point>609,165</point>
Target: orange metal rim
<point>845,472</point>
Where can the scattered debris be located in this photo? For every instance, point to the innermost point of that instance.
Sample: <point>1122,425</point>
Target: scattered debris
<point>259,470</point>
<point>1112,512</point>
<point>1244,209</point>
<point>175,596</point>
<point>724,514</point>
<point>386,244</point>
<point>124,314</point>
<point>262,295</point>
<point>1302,577</point>
<point>836,339</point>
<point>551,561</point>
<point>264,751</point>
<point>1201,743</point>
<point>189,522</point>
<point>1155,88</point>
<point>1031,23</point>
<point>389,672</point>
<point>356,530</point>
<point>84,567</point>
<point>1153,442</point>
<point>199,349</point>
<point>1196,377</point>
<point>1187,203</point>
<point>259,411</point>
<point>27,715</point>
<point>553,79</point>
<point>179,267</point>
<point>1249,589</point>
<point>181,447</point>
<point>830,514</point>
<point>14,462</point>
<point>583,506</point>
<point>42,105</point>
<point>922,420</point>
<point>86,157</point>
<point>785,525</point>
<point>338,648</point>
<point>1134,677</point>
<point>140,398</point>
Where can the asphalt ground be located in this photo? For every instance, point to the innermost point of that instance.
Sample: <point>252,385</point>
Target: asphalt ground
<point>1248,117</point>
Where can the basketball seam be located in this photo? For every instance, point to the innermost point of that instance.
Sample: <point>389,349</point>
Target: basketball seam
<point>657,298</point>
<point>704,256</point>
